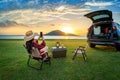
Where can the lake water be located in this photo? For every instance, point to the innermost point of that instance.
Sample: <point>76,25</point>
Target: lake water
<point>46,37</point>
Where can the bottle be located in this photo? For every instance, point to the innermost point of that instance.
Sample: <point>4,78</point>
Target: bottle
<point>57,44</point>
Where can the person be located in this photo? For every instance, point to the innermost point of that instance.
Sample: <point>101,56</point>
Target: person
<point>31,42</point>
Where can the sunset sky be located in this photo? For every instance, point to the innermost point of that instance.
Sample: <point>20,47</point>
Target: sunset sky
<point>19,16</point>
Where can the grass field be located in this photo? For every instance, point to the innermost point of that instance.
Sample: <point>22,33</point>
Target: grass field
<point>103,63</point>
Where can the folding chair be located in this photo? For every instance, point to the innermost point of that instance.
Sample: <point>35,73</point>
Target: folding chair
<point>36,56</point>
<point>80,50</point>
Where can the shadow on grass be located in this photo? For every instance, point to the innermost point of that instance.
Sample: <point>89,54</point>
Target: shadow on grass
<point>105,48</point>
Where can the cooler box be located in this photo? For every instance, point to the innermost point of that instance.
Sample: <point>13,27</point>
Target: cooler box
<point>58,52</point>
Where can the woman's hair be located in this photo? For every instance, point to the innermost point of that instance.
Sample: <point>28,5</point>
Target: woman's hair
<point>29,45</point>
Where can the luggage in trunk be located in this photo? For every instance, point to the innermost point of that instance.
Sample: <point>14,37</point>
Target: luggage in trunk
<point>102,31</point>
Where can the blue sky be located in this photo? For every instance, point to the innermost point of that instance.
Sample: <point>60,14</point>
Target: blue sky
<point>18,16</point>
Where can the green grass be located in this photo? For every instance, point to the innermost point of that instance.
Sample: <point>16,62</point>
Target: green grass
<point>103,63</point>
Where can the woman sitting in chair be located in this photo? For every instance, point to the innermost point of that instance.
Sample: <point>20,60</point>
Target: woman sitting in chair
<point>31,42</point>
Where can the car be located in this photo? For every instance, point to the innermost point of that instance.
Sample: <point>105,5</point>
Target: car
<point>103,30</point>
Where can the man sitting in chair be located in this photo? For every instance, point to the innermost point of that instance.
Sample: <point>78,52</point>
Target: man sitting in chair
<point>31,42</point>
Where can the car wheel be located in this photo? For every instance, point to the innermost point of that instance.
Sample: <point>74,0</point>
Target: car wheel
<point>92,45</point>
<point>118,47</point>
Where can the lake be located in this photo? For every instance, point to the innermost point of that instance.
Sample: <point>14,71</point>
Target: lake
<point>46,37</point>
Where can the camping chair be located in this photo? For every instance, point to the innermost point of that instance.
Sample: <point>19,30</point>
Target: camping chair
<point>36,56</point>
<point>80,50</point>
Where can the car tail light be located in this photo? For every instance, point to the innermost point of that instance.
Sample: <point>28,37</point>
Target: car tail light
<point>114,28</point>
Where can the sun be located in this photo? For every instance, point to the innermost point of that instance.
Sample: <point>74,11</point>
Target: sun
<point>67,29</point>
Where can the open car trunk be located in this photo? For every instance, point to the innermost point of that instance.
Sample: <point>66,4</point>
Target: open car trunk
<point>102,31</point>
<point>101,15</point>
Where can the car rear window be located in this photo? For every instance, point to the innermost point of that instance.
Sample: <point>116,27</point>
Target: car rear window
<point>101,16</point>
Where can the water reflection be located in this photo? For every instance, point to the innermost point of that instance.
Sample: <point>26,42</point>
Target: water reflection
<point>46,37</point>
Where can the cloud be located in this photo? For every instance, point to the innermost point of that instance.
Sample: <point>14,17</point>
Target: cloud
<point>116,17</point>
<point>46,14</point>
<point>7,23</point>
<point>60,8</point>
<point>99,4</point>
<point>52,24</point>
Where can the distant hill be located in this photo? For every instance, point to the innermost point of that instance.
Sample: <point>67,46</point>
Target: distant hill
<point>59,33</point>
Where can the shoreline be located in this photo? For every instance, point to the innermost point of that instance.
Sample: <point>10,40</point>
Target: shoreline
<point>45,37</point>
